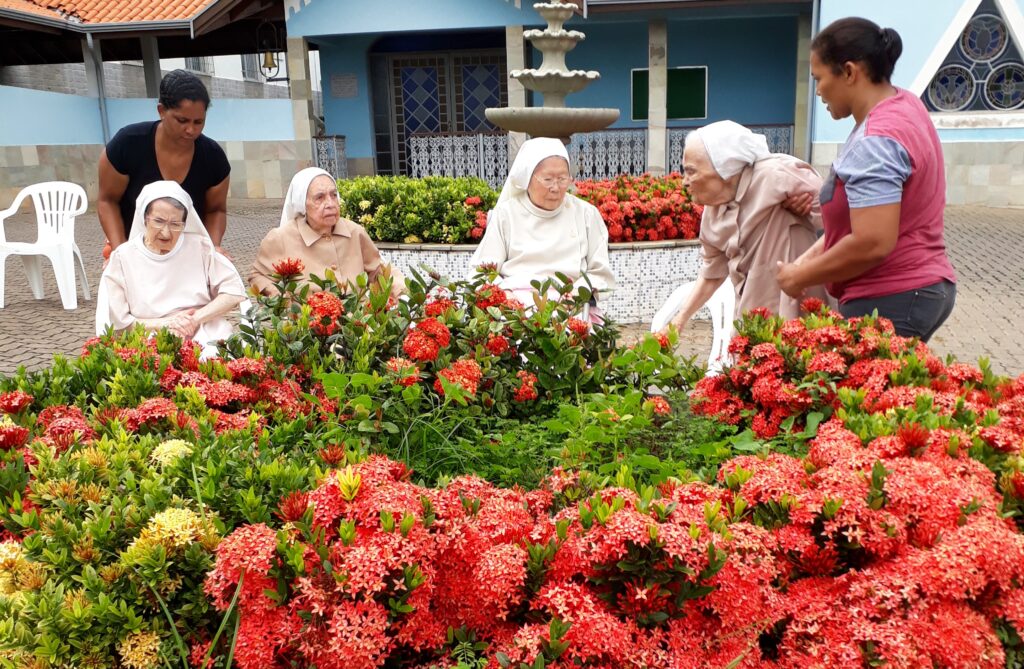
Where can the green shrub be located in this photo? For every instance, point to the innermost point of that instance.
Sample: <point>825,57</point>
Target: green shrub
<point>439,210</point>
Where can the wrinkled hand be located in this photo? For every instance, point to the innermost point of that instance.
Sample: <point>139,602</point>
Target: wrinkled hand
<point>799,204</point>
<point>183,324</point>
<point>674,323</point>
<point>787,278</point>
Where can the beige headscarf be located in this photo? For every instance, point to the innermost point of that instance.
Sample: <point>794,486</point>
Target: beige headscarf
<point>295,199</point>
<point>730,146</point>
<point>532,152</point>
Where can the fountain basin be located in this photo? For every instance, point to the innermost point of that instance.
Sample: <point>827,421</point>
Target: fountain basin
<point>558,122</point>
<point>553,82</point>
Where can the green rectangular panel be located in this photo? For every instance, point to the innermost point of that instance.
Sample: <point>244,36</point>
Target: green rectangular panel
<point>687,93</point>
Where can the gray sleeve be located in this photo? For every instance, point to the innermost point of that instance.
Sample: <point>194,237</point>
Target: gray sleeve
<point>874,171</point>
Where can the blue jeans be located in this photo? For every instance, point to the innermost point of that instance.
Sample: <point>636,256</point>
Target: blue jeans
<point>914,313</point>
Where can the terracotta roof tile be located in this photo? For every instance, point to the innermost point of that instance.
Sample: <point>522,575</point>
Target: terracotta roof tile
<point>110,11</point>
<point>28,7</point>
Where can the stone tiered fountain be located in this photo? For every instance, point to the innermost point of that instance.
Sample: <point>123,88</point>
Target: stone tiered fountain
<point>554,81</point>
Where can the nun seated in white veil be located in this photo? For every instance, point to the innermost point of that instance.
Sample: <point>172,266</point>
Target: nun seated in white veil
<point>746,228</point>
<point>313,231</point>
<point>169,274</point>
<point>538,229</point>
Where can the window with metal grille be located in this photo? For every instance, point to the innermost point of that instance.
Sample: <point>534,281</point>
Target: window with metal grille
<point>202,64</point>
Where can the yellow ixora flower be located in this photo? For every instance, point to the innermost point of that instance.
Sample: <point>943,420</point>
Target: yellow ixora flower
<point>364,204</point>
<point>11,562</point>
<point>174,529</point>
<point>140,650</point>
<point>169,451</point>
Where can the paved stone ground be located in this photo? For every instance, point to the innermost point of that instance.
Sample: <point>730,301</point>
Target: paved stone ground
<point>987,247</point>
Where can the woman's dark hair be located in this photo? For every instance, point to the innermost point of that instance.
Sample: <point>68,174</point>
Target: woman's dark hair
<point>179,85</point>
<point>169,200</point>
<point>859,40</point>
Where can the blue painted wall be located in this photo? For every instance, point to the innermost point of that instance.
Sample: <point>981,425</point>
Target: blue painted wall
<point>228,120</point>
<point>753,82</point>
<point>43,118</point>
<point>40,117</point>
<point>351,117</point>
<point>338,17</point>
<point>921,24</point>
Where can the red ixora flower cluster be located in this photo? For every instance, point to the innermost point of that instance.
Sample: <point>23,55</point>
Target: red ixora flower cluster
<point>527,391</point>
<point>465,373</point>
<point>644,208</point>
<point>325,310</point>
<point>405,371</point>
<point>289,268</point>
<point>837,560</point>
<point>474,205</point>
<point>489,295</point>
<point>14,401</point>
<point>424,341</point>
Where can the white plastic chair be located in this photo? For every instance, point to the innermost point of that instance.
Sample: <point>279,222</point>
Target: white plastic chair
<point>57,203</point>
<point>722,306</point>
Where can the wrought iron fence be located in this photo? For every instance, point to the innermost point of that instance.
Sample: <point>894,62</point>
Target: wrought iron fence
<point>608,153</point>
<point>329,154</point>
<point>780,140</point>
<point>596,155</point>
<point>483,155</point>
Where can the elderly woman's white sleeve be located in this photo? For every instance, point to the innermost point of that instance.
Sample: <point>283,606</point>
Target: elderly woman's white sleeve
<point>599,269</point>
<point>221,275</point>
<point>115,283</point>
<point>493,248</point>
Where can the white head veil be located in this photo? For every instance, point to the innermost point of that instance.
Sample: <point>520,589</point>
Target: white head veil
<point>295,199</point>
<point>730,146</point>
<point>161,189</point>
<point>532,152</point>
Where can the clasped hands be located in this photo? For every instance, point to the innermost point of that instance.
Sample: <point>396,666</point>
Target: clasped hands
<point>184,323</point>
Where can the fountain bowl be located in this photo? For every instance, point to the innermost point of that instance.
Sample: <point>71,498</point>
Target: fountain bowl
<point>560,122</point>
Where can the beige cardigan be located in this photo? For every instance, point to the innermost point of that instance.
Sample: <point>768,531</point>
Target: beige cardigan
<point>745,239</point>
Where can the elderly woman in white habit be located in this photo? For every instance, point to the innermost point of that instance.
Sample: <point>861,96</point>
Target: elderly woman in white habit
<point>312,230</point>
<point>538,229</point>
<point>746,227</point>
<point>169,274</point>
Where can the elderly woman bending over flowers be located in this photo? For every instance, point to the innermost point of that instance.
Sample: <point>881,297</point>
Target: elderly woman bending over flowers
<point>169,274</point>
<point>314,237</point>
<point>746,228</point>
<point>538,228</point>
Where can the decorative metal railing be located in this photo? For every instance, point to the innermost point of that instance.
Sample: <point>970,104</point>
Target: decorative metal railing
<point>608,153</point>
<point>483,155</point>
<point>595,155</point>
<point>329,154</point>
<point>780,140</point>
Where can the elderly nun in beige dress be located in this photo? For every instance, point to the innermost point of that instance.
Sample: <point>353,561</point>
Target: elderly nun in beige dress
<point>313,230</point>
<point>745,230</point>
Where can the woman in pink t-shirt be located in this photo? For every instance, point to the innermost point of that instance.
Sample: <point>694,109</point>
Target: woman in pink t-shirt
<point>882,204</point>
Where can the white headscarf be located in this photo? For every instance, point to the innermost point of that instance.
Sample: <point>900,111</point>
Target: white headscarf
<point>161,189</point>
<point>730,146</point>
<point>295,199</point>
<point>530,155</point>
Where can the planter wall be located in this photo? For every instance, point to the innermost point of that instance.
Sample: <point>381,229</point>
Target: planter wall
<point>647,272</point>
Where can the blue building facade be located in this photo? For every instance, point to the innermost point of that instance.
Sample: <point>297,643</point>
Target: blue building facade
<point>397,69</point>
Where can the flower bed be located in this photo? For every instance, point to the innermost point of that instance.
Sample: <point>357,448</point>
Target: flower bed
<point>446,210</point>
<point>311,498</point>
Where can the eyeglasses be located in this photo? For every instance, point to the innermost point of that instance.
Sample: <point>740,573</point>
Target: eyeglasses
<point>159,223</point>
<point>550,182</point>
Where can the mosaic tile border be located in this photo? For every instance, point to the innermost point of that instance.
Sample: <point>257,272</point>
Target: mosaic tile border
<point>647,273</point>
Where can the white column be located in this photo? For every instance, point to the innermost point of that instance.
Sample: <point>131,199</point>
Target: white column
<point>515,59</point>
<point>657,98</point>
<point>151,66</point>
<point>300,91</point>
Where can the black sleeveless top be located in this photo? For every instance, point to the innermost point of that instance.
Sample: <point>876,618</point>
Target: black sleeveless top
<point>132,152</point>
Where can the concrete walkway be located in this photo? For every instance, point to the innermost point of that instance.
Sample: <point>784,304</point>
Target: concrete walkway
<point>987,247</point>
